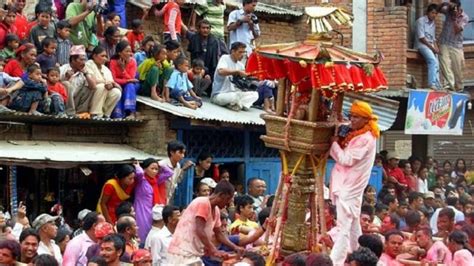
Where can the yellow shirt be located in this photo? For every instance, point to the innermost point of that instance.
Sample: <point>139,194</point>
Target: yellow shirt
<point>239,223</point>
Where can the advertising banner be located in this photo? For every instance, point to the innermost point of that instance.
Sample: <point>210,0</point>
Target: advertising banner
<point>435,113</point>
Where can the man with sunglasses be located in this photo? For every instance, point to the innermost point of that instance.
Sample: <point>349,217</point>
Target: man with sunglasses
<point>354,155</point>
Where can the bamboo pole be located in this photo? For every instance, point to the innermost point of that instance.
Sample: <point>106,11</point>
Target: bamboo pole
<point>314,105</point>
<point>278,192</point>
<point>280,104</point>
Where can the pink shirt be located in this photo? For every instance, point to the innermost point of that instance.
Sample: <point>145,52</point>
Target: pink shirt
<point>351,172</point>
<point>462,258</point>
<point>76,249</point>
<point>185,241</point>
<point>439,252</point>
<point>389,261</point>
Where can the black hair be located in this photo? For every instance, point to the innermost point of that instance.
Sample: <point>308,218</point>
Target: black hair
<point>45,260</point>
<point>62,234</point>
<point>147,39</point>
<point>296,259</point>
<point>29,232</point>
<point>367,209</point>
<point>123,223</point>
<point>97,50</point>
<point>389,198</point>
<point>364,256</point>
<point>124,171</point>
<point>414,196</point>
<point>112,15</point>
<point>100,261</point>
<point>89,220</point>
<point>149,161</point>
<point>391,233</point>
<point>43,8</point>
<point>168,211</point>
<point>318,259</point>
<point>456,2</point>
<point>203,21</point>
<point>9,8</point>
<point>245,2</point>
<point>197,63</point>
<point>372,242</point>
<point>243,201</point>
<point>32,68</point>
<point>172,45</point>
<point>250,180</point>
<point>136,23</point>
<point>452,201</point>
<point>447,212</point>
<point>51,69</point>
<point>426,230</point>
<point>11,37</point>
<point>125,207</point>
<point>256,258</point>
<point>461,238</point>
<point>110,31</point>
<point>224,187</point>
<point>270,201</point>
<point>380,207</point>
<point>263,215</point>
<point>413,218</point>
<point>180,60</point>
<point>11,245</point>
<point>395,220</point>
<point>118,241</point>
<point>237,45</point>
<point>63,24</point>
<point>402,202</point>
<point>432,7</point>
<point>174,146</point>
<point>47,41</point>
<point>155,50</point>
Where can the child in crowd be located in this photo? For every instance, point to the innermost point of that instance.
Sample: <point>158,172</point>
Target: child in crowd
<point>265,96</point>
<point>172,19</point>
<point>44,28</point>
<point>144,51</point>
<point>179,86</point>
<point>47,59</point>
<point>31,94</point>
<point>12,42</point>
<point>151,73</point>
<point>198,77</point>
<point>243,224</point>
<point>113,19</point>
<point>56,92</point>
<point>136,36</point>
<point>63,30</point>
<point>173,50</point>
<point>7,25</point>
<point>8,84</point>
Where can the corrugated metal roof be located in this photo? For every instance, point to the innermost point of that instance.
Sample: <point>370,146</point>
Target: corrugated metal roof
<point>54,153</point>
<point>385,109</point>
<point>208,112</point>
<point>52,119</point>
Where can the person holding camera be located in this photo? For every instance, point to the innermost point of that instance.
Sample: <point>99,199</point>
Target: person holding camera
<point>243,26</point>
<point>451,44</point>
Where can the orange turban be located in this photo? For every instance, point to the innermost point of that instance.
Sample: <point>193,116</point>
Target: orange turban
<point>363,109</point>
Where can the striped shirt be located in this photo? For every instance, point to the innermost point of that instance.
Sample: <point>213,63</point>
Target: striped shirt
<point>62,51</point>
<point>214,13</point>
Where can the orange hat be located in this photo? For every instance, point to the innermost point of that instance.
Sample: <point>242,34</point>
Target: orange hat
<point>103,229</point>
<point>141,255</point>
<point>363,109</point>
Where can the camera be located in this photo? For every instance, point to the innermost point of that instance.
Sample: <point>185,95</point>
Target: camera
<point>100,8</point>
<point>254,18</point>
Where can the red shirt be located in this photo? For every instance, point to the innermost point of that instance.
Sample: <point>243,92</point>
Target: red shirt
<point>21,24</point>
<point>411,182</point>
<point>114,200</point>
<point>172,19</point>
<point>135,40</point>
<point>13,68</point>
<point>121,76</point>
<point>397,172</point>
<point>4,30</point>
<point>58,88</point>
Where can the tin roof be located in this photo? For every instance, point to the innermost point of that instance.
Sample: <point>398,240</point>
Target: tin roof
<point>21,117</point>
<point>208,112</point>
<point>50,153</point>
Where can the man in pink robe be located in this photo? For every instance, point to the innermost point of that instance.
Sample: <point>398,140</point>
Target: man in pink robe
<point>354,156</point>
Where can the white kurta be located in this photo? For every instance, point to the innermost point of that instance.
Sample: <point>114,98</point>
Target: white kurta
<point>349,178</point>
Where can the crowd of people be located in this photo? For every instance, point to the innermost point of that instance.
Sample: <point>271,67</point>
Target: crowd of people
<point>85,62</point>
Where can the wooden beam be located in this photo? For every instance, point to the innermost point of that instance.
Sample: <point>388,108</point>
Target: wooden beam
<point>280,104</point>
<point>314,105</point>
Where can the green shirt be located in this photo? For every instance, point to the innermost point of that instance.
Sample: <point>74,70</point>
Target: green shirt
<point>82,32</point>
<point>215,15</point>
<point>7,54</point>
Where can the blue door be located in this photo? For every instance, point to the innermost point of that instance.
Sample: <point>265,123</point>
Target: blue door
<point>268,171</point>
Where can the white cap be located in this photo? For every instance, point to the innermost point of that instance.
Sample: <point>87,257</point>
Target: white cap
<point>209,181</point>
<point>157,212</point>
<point>82,214</point>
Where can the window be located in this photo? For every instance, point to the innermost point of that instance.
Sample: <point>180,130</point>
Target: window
<point>468,6</point>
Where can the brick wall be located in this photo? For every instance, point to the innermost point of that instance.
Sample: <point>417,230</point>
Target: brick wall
<point>152,136</point>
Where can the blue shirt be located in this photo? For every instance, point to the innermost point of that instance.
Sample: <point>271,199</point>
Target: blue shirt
<point>425,28</point>
<point>179,81</point>
<point>140,56</point>
<point>6,79</point>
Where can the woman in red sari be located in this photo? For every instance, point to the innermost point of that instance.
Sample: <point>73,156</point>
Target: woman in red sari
<point>115,191</point>
<point>25,57</point>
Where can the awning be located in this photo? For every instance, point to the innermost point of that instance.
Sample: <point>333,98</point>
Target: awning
<point>207,112</point>
<point>385,109</point>
<point>67,154</point>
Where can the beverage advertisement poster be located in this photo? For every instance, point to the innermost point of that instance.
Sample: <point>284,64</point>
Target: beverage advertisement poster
<point>435,113</point>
